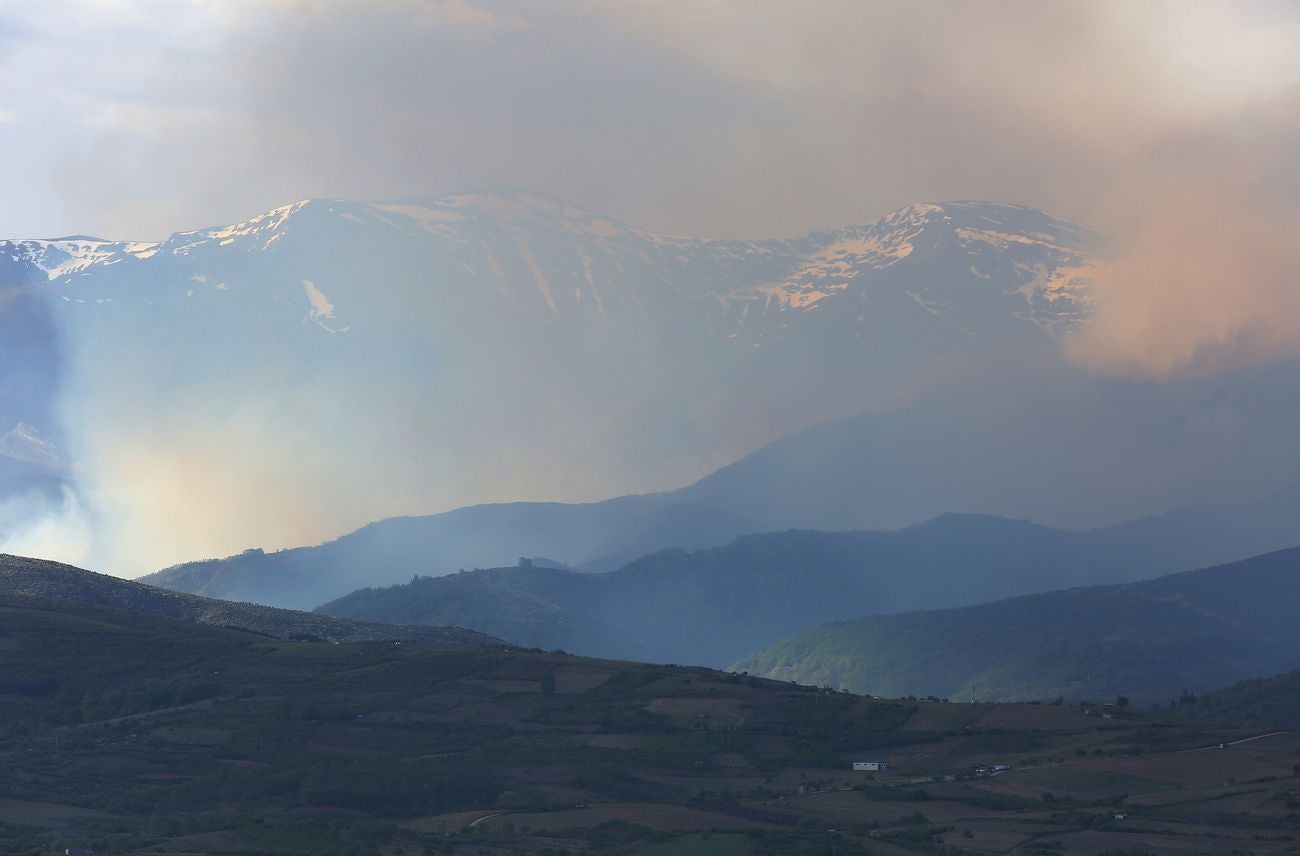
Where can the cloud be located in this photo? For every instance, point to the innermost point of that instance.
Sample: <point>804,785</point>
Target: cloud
<point>1207,269</point>
<point>884,104</point>
<point>723,118</point>
<point>389,99</point>
<point>1168,124</point>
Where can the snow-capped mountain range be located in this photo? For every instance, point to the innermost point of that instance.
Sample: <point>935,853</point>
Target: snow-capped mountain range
<point>548,260</point>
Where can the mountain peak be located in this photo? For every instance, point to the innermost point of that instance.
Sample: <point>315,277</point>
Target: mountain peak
<point>25,443</point>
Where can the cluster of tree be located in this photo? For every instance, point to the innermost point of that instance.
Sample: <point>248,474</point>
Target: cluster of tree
<point>1255,703</point>
<point>1142,641</point>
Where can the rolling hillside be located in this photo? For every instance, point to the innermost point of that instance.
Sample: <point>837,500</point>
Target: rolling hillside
<point>794,478</point>
<point>129,732</point>
<point>40,580</point>
<point>1149,641</point>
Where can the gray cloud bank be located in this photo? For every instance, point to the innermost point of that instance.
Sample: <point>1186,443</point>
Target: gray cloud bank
<point>725,118</point>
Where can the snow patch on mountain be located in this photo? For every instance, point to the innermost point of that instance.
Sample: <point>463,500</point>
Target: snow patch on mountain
<point>1059,298</point>
<point>322,309</point>
<point>265,227</point>
<point>543,259</point>
<point>62,257</point>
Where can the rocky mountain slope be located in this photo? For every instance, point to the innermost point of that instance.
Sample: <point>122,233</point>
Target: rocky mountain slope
<point>540,257</point>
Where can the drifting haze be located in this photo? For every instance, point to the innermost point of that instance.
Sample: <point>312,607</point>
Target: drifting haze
<point>1170,124</point>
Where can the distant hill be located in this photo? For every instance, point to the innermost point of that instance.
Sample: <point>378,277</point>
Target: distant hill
<point>1254,703</point>
<point>51,581</point>
<point>1048,449</point>
<point>794,482</point>
<point>689,526</point>
<point>1149,640</point>
<point>594,536</point>
<point>715,605</point>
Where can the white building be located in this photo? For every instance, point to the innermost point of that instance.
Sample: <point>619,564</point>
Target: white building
<point>870,766</point>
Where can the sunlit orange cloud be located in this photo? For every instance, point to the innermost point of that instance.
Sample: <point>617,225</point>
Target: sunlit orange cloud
<point>1207,270</point>
<point>1204,286</point>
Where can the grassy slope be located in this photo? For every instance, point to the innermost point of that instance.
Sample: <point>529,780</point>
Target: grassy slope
<point>1199,630</point>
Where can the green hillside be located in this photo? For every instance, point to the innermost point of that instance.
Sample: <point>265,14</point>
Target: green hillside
<point>1148,641</point>
<point>1254,703</point>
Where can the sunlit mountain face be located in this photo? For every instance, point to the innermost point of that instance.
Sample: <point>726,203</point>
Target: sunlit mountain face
<point>538,258</point>
<point>328,363</point>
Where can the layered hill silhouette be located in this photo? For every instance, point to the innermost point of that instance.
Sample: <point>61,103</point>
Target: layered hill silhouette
<point>594,536</point>
<point>601,536</point>
<point>715,605</point>
<point>1073,452</point>
<point>1148,641</point>
<point>43,581</point>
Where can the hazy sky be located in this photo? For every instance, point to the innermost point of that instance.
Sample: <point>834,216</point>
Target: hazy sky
<point>136,118</point>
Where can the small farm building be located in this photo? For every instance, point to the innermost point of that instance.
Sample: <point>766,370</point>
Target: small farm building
<point>870,766</point>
